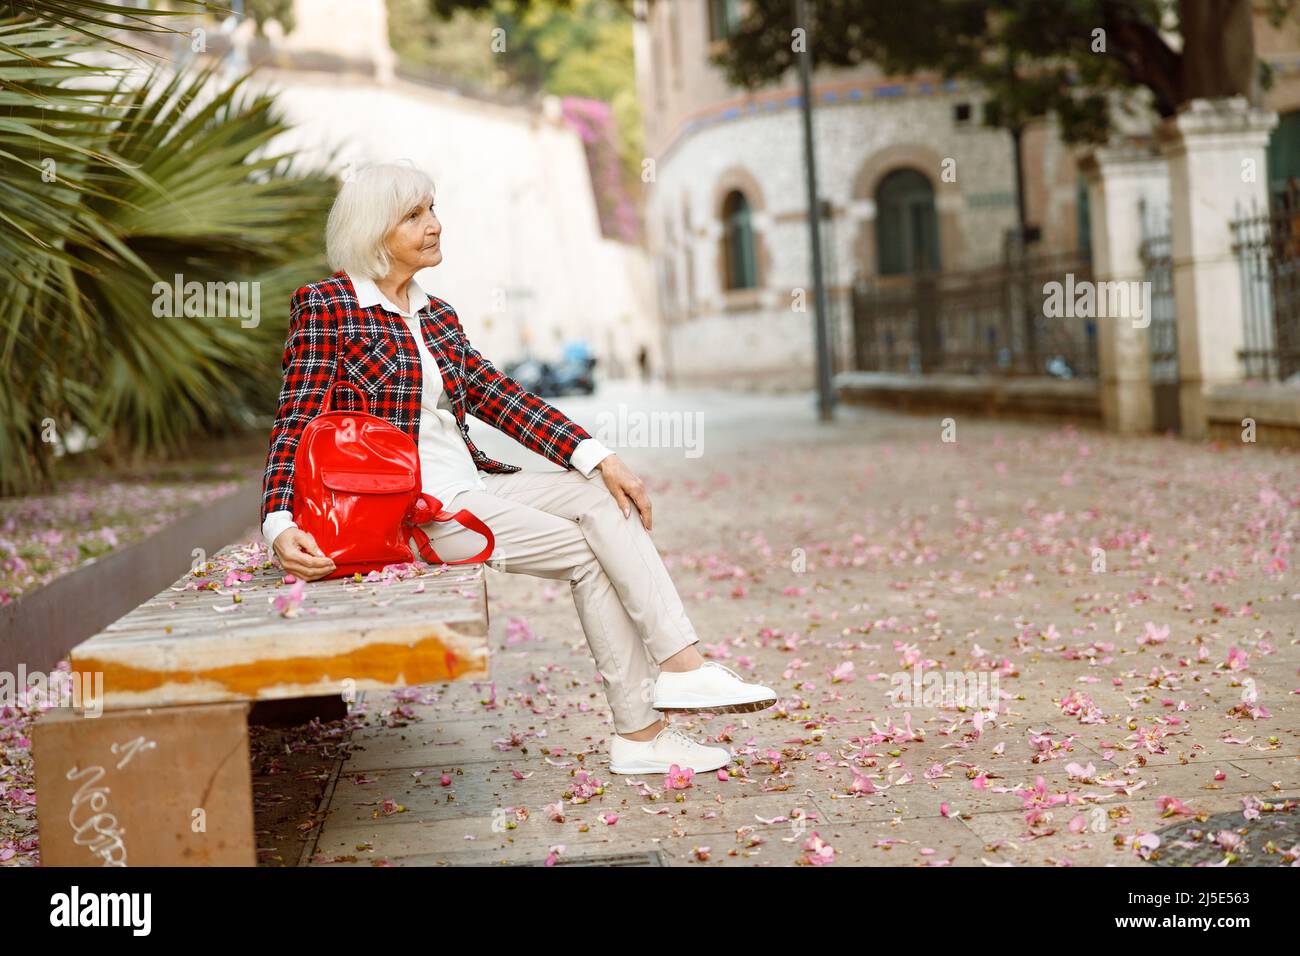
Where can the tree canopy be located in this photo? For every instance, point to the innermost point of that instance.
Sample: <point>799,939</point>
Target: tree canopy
<point>1067,57</point>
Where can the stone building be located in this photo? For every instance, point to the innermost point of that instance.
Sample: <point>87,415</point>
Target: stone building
<point>912,179</point>
<point>1199,211</point>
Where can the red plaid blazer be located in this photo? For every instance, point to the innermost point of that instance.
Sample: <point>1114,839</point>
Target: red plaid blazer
<point>330,335</point>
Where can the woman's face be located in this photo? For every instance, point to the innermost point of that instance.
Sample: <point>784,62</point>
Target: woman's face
<point>413,243</point>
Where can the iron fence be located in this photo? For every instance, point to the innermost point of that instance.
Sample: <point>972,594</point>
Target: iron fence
<point>1156,251</point>
<point>989,320</point>
<point>1267,245</point>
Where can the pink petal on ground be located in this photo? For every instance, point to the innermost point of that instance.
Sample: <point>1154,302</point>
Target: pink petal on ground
<point>678,778</point>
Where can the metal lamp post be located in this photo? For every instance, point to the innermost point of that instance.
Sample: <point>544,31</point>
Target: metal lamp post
<point>825,396</point>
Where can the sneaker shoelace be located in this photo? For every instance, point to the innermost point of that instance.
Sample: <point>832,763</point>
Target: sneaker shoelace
<point>724,667</point>
<point>672,732</point>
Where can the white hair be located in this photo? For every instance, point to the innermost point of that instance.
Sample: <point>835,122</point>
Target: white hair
<point>372,201</point>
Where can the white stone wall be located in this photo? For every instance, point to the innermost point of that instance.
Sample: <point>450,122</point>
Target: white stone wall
<point>627,306</point>
<point>525,265</point>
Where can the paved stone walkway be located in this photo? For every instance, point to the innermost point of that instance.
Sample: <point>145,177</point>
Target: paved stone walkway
<point>1134,598</point>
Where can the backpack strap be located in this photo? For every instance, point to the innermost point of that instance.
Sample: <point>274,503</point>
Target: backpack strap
<point>428,508</point>
<point>329,395</point>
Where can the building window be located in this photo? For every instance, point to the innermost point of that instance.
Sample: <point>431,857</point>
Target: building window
<point>907,228</point>
<point>724,18</point>
<point>670,247</point>
<point>1284,155</point>
<point>738,242</point>
<point>1083,217</point>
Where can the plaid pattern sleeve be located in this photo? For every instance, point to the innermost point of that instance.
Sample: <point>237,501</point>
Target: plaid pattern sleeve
<point>503,403</point>
<point>309,368</point>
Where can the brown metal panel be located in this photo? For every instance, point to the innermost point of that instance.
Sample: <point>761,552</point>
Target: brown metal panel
<point>40,628</point>
<point>149,787</point>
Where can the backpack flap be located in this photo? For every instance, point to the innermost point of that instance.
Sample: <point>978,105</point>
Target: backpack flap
<point>366,482</point>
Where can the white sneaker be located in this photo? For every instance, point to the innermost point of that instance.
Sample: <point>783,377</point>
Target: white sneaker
<point>670,746</point>
<point>712,687</point>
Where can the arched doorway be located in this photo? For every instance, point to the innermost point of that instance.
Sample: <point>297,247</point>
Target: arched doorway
<point>907,228</point>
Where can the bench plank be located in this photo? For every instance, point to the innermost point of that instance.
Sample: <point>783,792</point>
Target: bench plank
<point>178,648</point>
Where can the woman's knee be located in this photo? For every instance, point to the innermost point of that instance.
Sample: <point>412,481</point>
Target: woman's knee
<point>586,567</point>
<point>599,500</point>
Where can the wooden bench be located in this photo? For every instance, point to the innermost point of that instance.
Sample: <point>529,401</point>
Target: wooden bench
<point>163,775</point>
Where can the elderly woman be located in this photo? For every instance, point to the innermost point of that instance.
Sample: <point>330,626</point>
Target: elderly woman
<point>372,324</point>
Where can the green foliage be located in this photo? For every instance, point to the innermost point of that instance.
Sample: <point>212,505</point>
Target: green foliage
<point>259,11</point>
<point>458,49</point>
<point>1065,57</point>
<point>50,130</point>
<point>563,47</point>
<point>101,20</point>
<point>150,176</point>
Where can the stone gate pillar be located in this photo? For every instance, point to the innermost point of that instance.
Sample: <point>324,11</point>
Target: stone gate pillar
<point>1217,173</point>
<point>1121,180</point>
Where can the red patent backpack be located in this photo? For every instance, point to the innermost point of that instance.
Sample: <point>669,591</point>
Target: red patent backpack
<point>356,490</point>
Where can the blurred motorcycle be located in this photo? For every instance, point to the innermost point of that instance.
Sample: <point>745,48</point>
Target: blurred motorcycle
<point>533,375</point>
<point>574,374</point>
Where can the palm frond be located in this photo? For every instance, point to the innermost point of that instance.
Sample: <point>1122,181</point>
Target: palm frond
<point>156,174</point>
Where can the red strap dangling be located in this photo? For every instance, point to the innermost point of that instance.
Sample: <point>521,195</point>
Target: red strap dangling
<point>428,508</point>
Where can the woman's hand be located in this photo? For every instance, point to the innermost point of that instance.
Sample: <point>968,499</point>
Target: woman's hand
<point>300,556</point>
<point>624,485</point>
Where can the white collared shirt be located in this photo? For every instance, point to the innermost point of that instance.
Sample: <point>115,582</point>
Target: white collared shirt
<point>446,466</point>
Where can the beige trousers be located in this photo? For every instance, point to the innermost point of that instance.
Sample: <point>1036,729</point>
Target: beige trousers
<point>560,525</point>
